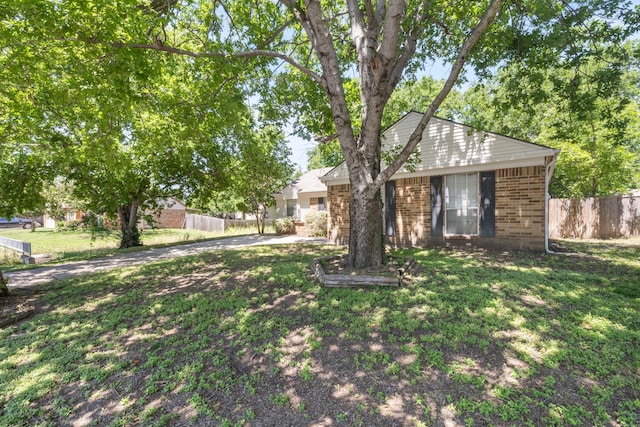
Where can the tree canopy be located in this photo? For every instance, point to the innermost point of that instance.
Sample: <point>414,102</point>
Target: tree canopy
<point>333,65</point>
<point>590,112</point>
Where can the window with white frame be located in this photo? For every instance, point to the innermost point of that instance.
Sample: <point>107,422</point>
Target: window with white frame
<point>321,204</point>
<point>461,204</point>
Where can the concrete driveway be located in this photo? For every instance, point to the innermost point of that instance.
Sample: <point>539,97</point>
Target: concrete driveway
<point>41,275</point>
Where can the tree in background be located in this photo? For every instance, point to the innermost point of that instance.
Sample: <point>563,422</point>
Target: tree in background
<point>589,110</point>
<point>127,127</point>
<point>262,168</point>
<point>416,95</point>
<point>259,168</point>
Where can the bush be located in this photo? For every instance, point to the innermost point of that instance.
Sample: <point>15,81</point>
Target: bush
<point>316,223</point>
<point>284,226</point>
<point>72,225</point>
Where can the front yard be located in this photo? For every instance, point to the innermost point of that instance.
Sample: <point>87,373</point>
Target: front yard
<point>77,245</point>
<point>239,338</point>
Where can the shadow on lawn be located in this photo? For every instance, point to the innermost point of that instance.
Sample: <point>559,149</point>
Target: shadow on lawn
<point>245,338</point>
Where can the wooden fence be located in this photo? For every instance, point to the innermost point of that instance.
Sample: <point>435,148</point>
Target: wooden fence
<point>602,218</point>
<point>203,223</point>
<point>218,225</point>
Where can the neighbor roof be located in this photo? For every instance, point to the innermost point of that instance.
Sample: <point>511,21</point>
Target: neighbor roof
<point>310,181</point>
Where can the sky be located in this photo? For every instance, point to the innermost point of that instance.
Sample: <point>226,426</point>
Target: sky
<point>300,147</point>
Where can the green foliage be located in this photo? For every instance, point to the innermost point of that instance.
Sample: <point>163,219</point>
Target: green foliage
<point>325,155</point>
<point>417,96</point>
<point>316,224</point>
<point>127,127</point>
<point>284,226</point>
<point>261,168</point>
<point>589,110</point>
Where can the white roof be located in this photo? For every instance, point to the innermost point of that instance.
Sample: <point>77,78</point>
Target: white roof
<point>449,147</point>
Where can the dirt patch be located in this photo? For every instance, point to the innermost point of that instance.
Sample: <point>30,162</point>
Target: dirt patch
<point>394,267</point>
<point>19,305</point>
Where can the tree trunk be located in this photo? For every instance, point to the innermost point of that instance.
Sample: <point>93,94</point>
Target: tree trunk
<point>4,290</point>
<point>258,218</point>
<point>365,230</point>
<point>128,215</point>
<point>263,214</point>
<point>33,223</point>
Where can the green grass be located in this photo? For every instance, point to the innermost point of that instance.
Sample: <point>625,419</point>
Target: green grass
<point>240,337</point>
<point>80,245</point>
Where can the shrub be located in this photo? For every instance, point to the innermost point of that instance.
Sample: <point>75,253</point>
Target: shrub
<point>72,225</point>
<point>316,223</point>
<point>284,226</point>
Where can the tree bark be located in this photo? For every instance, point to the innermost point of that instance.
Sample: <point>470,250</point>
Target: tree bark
<point>4,290</point>
<point>128,215</point>
<point>365,230</point>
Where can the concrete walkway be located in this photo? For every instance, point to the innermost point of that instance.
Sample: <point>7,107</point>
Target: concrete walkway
<point>41,275</point>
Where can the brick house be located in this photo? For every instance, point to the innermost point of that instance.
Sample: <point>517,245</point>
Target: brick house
<point>468,188</point>
<point>172,215</point>
<point>301,196</point>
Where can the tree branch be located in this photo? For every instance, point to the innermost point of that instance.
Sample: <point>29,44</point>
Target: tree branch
<point>487,19</point>
<point>409,47</point>
<point>275,34</point>
<point>161,47</point>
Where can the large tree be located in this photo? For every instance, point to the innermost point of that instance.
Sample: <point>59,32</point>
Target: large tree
<point>336,44</point>
<point>128,127</point>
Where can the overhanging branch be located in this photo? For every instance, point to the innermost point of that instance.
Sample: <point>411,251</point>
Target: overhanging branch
<point>162,47</point>
<point>487,18</point>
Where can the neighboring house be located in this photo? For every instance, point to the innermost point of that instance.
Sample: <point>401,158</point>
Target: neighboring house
<point>172,215</point>
<point>70,214</point>
<point>469,188</point>
<point>302,196</point>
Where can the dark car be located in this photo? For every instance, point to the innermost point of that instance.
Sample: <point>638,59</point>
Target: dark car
<point>15,222</point>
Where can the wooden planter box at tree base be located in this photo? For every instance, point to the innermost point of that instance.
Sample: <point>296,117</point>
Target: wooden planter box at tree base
<point>353,281</point>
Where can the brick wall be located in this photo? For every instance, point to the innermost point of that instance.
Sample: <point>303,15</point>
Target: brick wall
<point>413,214</point>
<point>519,212</point>
<point>338,215</point>
<point>520,200</point>
<point>170,218</point>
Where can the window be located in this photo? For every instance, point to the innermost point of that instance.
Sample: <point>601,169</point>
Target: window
<point>461,203</point>
<point>321,204</point>
<point>291,207</point>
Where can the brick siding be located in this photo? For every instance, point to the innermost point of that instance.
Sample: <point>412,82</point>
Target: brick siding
<point>519,212</point>
<point>413,213</point>
<point>170,218</point>
<point>338,215</point>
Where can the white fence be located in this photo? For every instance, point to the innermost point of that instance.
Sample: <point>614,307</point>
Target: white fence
<point>16,245</point>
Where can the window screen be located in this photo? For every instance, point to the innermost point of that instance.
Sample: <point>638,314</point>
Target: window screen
<point>461,201</point>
